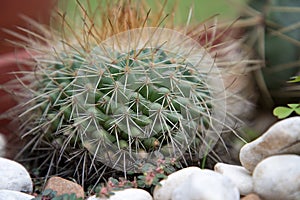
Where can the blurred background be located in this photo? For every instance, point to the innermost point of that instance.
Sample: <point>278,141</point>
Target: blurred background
<point>40,10</point>
<point>202,9</point>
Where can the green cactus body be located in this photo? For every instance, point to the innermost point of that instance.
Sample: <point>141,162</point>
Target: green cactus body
<point>146,97</point>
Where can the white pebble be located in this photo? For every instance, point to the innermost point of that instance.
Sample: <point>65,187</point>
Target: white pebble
<point>206,185</point>
<point>13,176</point>
<point>278,178</point>
<point>281,138</point>
<point>127,194</point>
<point>164,192</point>
<point>14,195</point>
<point>238,175</point>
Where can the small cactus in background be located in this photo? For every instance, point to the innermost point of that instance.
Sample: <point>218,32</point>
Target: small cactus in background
<point>276,35</point>
<point>111,91</point>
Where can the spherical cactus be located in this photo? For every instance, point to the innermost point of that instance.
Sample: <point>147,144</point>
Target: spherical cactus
<point>118,93</point>
<point>149,90</point>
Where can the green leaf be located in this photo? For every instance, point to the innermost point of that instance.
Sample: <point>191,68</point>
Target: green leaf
<point>130,172</point>
<point>114,181</point>
<point>295,79</point>
<point>155,182</point>
<point>49,192</point>
<point>297,110</point>
<point>282,112</point>
<point>293,105</point>
<point>141,183</point>
<point>160,176</point>
<point>72,196</point>
<point>97,189</point>
<point>141,177</point>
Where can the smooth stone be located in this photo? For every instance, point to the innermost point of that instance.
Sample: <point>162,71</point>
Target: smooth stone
<point>278,178</point>
<point>206,185</point>
<point>13,176</point>
<point>14,195</point>
<point>238,175</point>
<point>63,186</point>
<point>127,194</point>
<point>281,138</point>
<point>2,145</point>
<point>167,186</point>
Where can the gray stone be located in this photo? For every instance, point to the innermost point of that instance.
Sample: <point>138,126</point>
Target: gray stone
<point>238,175</point>
<point>13,176</point>
<point>14,195</point>
<point>206,185</point>
<point>278,177</point>
<point>281,138</point>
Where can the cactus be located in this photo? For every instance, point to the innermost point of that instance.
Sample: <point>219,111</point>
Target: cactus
<point>117,93</point>
<point>276,32</point>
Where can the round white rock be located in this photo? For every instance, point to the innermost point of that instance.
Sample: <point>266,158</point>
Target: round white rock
<point>127,194</point>
<point>13,176</point>
<point>281,138</point>
<point>278,178</point>
<point>14,195</point>
<point>238,175</point>
<point>166,188</point>
<point>206,185</point>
